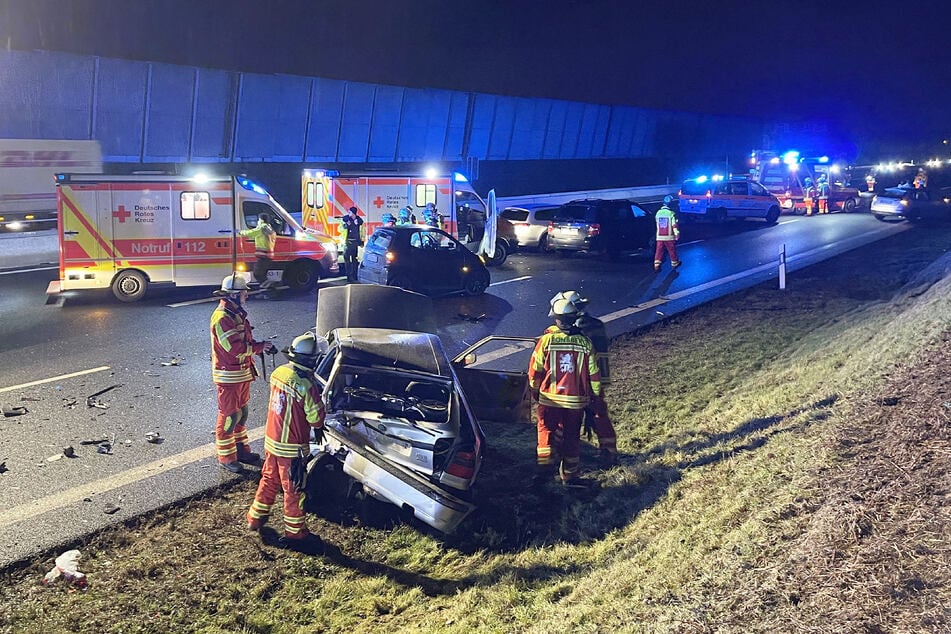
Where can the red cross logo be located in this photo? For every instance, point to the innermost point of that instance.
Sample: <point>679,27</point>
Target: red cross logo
<point>378,202</point>
<point>122,213</point>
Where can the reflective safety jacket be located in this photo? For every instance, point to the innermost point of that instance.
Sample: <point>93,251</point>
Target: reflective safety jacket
<point>593,328</point>
<point>666,221</point>
<point>264,239</point>
<point>564,370</point>
<point>294,408</point>
<point>232,346</point>
<point>352,229</point>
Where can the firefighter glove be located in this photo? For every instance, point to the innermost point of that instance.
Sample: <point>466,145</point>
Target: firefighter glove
<point>318,435</point>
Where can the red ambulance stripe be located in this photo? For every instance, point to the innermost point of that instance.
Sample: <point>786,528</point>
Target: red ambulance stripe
<point>138,186</point>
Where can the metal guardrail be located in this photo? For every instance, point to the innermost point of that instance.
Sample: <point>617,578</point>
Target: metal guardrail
<point>640,194</point>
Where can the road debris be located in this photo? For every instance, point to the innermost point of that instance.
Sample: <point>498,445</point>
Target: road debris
<point>69,452</point>
<point>172,361</point>
<point>69,403</point>
<point>55,457</point>
<point>3,466</point>
<point>105,446</point>
<point>154,437</point>
<point>66,567</point>
<point>110,508</point>
<point>93,400</point>
<point>472,318</point>
<point>13,411</point>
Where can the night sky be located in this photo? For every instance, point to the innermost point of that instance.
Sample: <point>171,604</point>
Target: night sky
<point>881,69</point>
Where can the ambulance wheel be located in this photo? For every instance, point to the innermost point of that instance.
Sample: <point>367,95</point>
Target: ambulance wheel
<point>301,276</point>
<point>129,286</point>
<point>501,254</point>
<point>772,216</point>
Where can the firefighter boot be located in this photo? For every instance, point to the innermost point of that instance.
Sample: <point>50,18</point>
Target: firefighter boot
<point>247,456</point>
<point>233,467</point>
<point>607,459</point>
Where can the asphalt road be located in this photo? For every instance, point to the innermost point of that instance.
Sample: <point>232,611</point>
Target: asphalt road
<point>154,355</point>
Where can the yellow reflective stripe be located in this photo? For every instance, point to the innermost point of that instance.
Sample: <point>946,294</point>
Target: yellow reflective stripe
<point>231,376</point>
<point>283,449</point>
<point>562,400</point>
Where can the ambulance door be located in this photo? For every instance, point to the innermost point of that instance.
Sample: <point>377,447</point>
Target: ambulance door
<point>81,253</point>
<point>315,201</point>
<point>202,222</point>
<point>141,235</point>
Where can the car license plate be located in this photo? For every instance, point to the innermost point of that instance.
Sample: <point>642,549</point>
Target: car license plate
<point>566,231</point>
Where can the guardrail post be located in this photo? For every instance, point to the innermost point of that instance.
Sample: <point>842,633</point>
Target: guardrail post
<point>782,269</point>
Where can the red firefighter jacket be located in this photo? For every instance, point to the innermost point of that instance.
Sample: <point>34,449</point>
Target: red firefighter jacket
<point>564,370</point>
<point>232,346</point>
<point>294,408</point>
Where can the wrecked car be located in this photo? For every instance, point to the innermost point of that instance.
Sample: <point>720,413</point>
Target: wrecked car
<point>403,419</point>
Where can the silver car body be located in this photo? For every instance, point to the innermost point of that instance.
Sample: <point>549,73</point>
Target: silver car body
<point>531,223</point>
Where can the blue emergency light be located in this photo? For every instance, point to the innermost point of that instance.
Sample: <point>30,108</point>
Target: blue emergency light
<point>459,178</point>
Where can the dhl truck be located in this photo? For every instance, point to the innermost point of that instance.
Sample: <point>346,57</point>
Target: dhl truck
<point>129,233</point>
<point>27,166</point>
<point>326,195</point>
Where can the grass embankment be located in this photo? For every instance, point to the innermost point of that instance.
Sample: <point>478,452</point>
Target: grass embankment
<point>785,469</point>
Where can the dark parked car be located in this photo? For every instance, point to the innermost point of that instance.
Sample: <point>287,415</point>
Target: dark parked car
<point>530,223</point>
<point>607,226</point>
<point>403,420</point>
<point>424,259</point>
<point>914,204</point>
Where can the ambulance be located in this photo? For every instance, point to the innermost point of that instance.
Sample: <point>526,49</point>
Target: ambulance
<point>129,233</point>
<point>326,195</point>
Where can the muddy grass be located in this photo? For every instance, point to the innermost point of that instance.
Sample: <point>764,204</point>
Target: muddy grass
<point>784,468</point>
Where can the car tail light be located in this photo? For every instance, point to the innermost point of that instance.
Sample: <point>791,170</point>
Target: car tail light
<point>594,229</point>
<point>551,226</point>
<point>390,256</point>
<point>462,465</point>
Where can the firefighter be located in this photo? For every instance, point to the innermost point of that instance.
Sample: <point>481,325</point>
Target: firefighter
<point>353,239</point>
<point>808,195</point>
<point>295,410</point>
<point>431,216</point>
<point>406,216</point>
<point>264,240</point>
<point>597,410</point>
<point>388,219</point>
<point>823,186</point>
<point>921,179</point>
<point>870,181</point>
<point>667,235</point>
<point>563,376</point>
<point>232,369</point>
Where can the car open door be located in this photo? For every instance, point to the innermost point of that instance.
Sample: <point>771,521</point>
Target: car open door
<point>494,376</point>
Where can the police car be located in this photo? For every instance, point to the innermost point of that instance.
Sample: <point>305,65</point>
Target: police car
<point>718,199</point>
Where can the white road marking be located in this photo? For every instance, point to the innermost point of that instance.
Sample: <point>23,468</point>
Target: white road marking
<point>514,279</point>
<point>53,378</point>
<point>35,508</point>
<point>43,268</point>
<point>194,301</point>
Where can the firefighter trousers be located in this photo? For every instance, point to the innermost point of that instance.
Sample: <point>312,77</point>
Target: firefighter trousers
<point>231,435</point>
<point>261,266</point>
<point>559,436</point>
<point>275,477</point>
<point>603,428</point>
<point>666,245</point>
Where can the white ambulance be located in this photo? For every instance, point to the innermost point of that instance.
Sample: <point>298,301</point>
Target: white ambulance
<point>326,195</point>
<point>128,233</point>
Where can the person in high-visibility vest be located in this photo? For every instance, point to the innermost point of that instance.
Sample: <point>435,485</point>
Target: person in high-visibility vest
<point>667,235</point>
<point>265,238</point>
<point>232,369</point>
<point>596,414</point>
<point>809,195</point>
<point>824,190</point>
<point>563,376</point>
<point>295,410</point>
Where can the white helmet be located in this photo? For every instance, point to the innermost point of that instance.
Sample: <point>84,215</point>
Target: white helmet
<point>306,350</point>
<point>563,309</point>
<point>234,283</point>
<point>572,296</point>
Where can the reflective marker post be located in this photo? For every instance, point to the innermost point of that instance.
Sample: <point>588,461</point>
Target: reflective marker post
<point>782,269</point>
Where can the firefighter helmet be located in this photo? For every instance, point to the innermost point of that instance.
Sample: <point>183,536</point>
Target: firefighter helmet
<point>572,296</point>
<point>405,214</point>
<point>668,199</point>
<point>233,283</point>
<point>306,350</point>
<point>563,309</point>
<point>388,218</point>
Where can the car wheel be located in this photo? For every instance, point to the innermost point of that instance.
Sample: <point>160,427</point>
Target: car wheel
<point>476,284</point>
<point>301,275</point>
<point>129,286</point>
<point>501,253</point>
<point>772,216</point>
<point>848,205</point>
<point>401,281</point>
